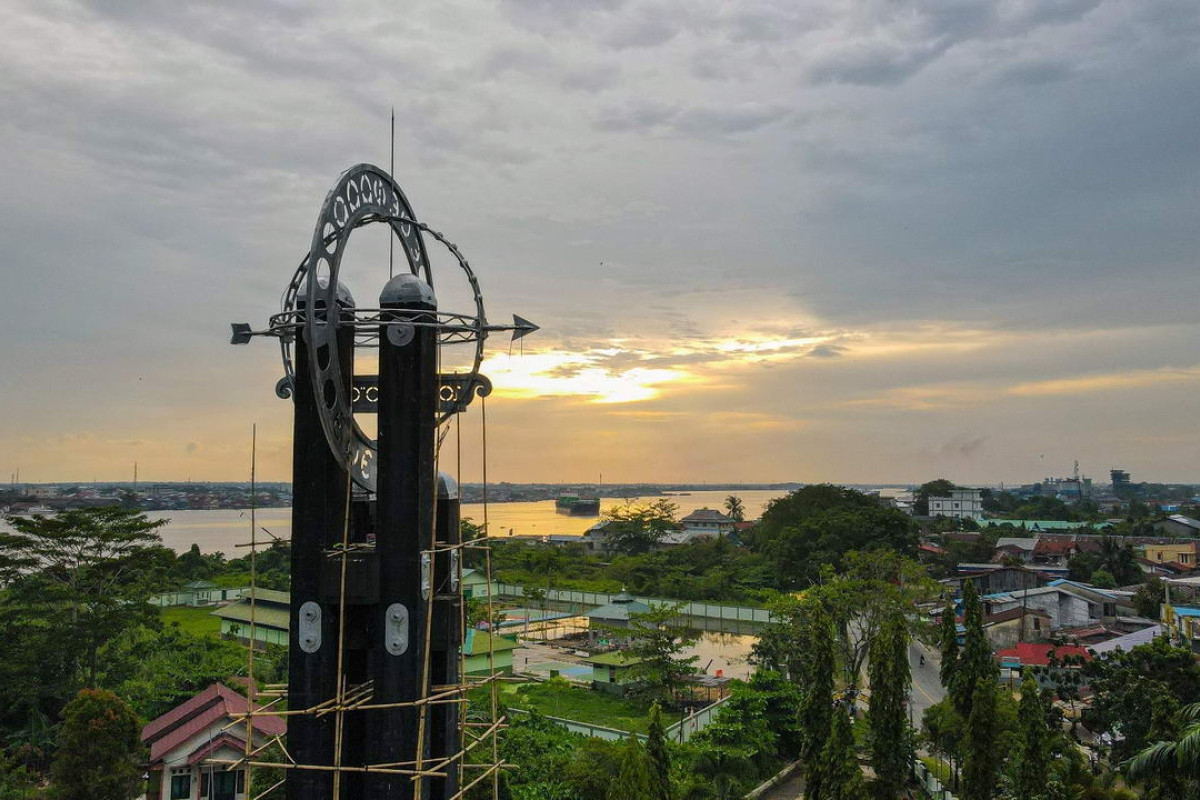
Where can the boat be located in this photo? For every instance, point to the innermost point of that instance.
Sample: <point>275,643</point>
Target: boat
<point>577,506</point>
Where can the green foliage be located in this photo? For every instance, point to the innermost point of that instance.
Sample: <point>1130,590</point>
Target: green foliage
<point>157,670</point>
<point>1103,579</point>
<point>1123,683</point>
<point>635,528</point>
<point>735,508</point>
<point>99,749</point>
<point>982,760</point>
<point>815,712</point>
<point>558,698</point>
<point>817,525</point>
<point>948,644</point>
<point>944,728</point>
<point>657,638</point>
<point>843,778</point>
<point>1033,768</point>
<point>635,774</point>
<point>1169,767</point>
<point>975,663</point>
<point>78,579</point>
<point>590,771</point>
<point>874,586</point>
<point>890,680</point>
<point>1149,597</point>
<point>542,752</point>
<point>17,782</point>
<point>660,756</point>
<point>719,773</point>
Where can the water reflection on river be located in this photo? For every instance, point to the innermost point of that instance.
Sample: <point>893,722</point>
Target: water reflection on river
<point>218,530</point>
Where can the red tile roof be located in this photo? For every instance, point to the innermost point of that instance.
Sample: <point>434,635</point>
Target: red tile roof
<point>1028,654</point>
<point>194,715</point>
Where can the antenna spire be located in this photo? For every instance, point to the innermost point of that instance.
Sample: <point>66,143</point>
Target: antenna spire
<point>392,173</point>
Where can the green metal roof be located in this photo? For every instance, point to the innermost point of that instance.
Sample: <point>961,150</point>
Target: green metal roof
<point>622,607</point>
<point>478,643</point>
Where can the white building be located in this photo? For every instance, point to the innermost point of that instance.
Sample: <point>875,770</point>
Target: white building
<point>705,522</point>
<point>961,504</point>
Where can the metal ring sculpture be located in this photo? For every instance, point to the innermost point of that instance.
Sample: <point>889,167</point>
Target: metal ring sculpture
<point>365,194</point>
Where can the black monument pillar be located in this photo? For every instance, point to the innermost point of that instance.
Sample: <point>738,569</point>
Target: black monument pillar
<point>408,395</point>
<point>319,506</point>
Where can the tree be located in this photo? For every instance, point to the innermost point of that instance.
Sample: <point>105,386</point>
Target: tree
<point>1033,757</point>
<point>948,643</point>
<point>935,488</point>
<point>1171,766</point>
<point>83,577</point>
<point>735,508</point>
<point>975,664</point>
<point>656,641</point>
<point>660,758</point>
<point>982,762</point>
<point>875,586</point>
<point>1123,683</point>
<point>890,679</point>
<point>815,710</point>
<point>635,528</point>
<point>1149,598</point>
<point>1103,579</point>
<point>99,749</point>
<point>843,775</point>
<point>634,779</point>
<point>723,773</point>
<point>817,525</point>
<point>1119,560</point>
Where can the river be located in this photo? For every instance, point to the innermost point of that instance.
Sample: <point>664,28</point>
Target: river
<point>219,530</point>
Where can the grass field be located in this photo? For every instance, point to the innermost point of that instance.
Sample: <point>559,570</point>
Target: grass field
<point>582,705</point>
<point>198,621</point>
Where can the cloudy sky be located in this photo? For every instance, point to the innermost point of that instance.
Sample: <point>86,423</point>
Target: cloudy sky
<point>848,240</point>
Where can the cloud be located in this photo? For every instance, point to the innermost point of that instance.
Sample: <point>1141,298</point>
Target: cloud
<point>888,222</point>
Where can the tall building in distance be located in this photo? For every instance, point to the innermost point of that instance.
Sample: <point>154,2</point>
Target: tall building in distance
<point>1120,481</point>
<point>959,504</point>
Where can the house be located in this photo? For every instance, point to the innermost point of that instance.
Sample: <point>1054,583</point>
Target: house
<point>1128,641</point>
<point>1167,552</point>
<point>475,584</point>
<point>996,578</point>
<point>706,523</point>
<point>615,614</point>
<point>1030,654</point>
<point>1066,610</point>
<point>613,672</point>
<point>271,611</point>
<point>185,742</point>
<point>1019,547</point>
<point>476,660</point>
<point>959,504</point>
<point>1178,525</point>
<point>1008,628</point>
<point>1054,551</point>
<point>1183,625</point>
<point>1111,603</point>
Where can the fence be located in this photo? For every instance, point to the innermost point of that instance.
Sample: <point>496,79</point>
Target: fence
<point>681,731</point>
<point>687,609</point>
<point>929,783</point>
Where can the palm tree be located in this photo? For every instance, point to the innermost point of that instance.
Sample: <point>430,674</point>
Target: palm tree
<point>735,508</point>
<point>1172,763</point>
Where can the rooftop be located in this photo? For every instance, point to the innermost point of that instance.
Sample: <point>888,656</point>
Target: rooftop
<point>1028,654</point>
